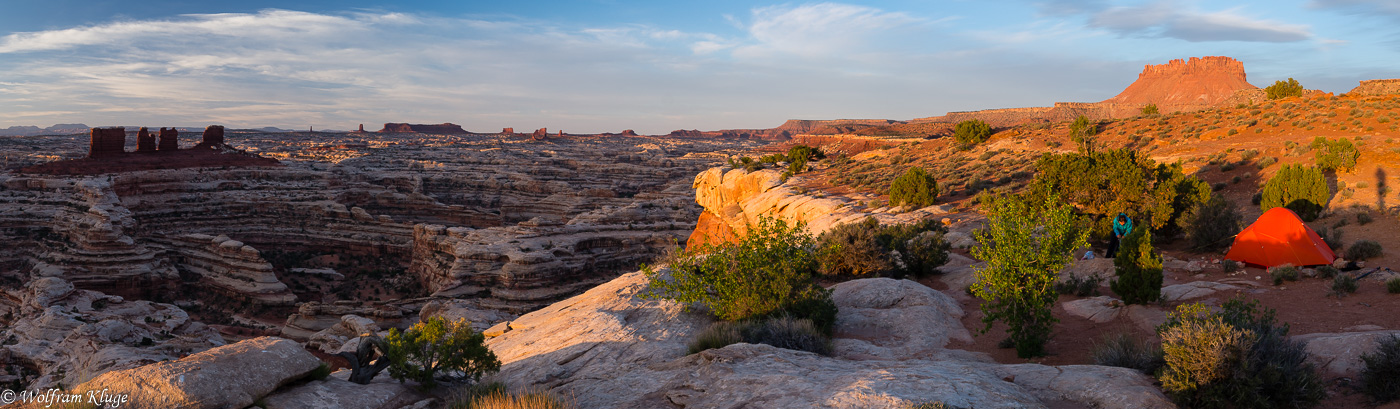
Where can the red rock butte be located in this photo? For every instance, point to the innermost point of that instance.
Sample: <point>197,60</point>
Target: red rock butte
<point>1198,81</point>
<point>107,154</point>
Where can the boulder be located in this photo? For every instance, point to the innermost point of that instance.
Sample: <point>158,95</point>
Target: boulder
<point>1099,309</point>
<point>231,376</point>
<point>1194,289</point>
<point>1339,354</point>
<point>336,393</point>
<point>882,318</point>
<point>1090,385</point>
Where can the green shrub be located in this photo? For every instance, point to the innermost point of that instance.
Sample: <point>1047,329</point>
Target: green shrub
<point>1302,189</point>
<point>1212,225</point>
<point>1025,244</point>
<point>768,272</point>
<point>1247,363</point>
<point>798,156</point>
<point>1327,271</point>
<point>1083,286</point>
<point>1380,379</point>
<point>781,331</point>
<point>920,247</point>
<point>439,346</point>
<point>1102,184</point>
<point>1139,269</point>
<point>1393,285</point>
<point>1150,110</point>
<point>1343,284</point>
<point>1229,266</point>
<point>1266,161</point>
<point>1282,89</point>
<point>915,188</point>
<point>321,372</point>
<point>1332,237</point>
<point>1363,249</point>
<point>1121,350</point>
<point>1363,218</point>
<point>1283,272</point>
<point>972,132</point>
<point>852,249</point>
<point>1339,154</point>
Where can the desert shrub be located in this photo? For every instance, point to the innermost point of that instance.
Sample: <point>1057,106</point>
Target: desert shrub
<point>915,188</point>
<point>1327,271</point>
<point>1284,89</point>
<point>1123,351</point>
<point>1212,225</point>
<point>798,156</point>
<point>1150,110</point>
<point>1364,218</point>
<point>1343,284</point>
<point>1139,269</point>
<point>768,272</point>
<point>1363,249</point>
<point>1380,379</point>
<point>1393,285</point>
<point>439,346</point>
<point>972,132</point>
<point>1266,161</point>
<point>1284,272</point>
<point>501,399</point>
<point>321,372</point>
<point>1102,184</point>
<point>1083,286</point>
<point>791,333</point>
<point>1302,189</point>
<point>852,249</point>
<point>1025,244</point>
<point>1338,154</point>
<point>1229,266</point>
<point>718,335</point>
<point>865,248</point>
<point>1333,238</point>
<point>1247,363</point>
<point>1082,131</point>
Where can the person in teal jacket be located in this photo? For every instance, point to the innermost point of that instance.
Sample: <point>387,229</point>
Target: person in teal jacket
<point>1122,225</point>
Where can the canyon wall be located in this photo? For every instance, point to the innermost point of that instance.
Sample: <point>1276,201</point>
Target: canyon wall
<point>1377,87</point>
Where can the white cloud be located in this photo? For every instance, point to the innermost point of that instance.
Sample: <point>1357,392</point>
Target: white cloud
<point>1171,19</point>
<point>819,30</point>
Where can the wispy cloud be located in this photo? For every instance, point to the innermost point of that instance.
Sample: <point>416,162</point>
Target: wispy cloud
<point>1389,7</point>
<point>819,30</point>
<point>1171,19</point>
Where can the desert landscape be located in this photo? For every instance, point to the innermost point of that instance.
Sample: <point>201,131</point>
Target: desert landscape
<point>1191,240</point>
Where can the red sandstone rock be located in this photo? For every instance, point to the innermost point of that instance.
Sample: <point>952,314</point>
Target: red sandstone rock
<point>443,128</point>
<point>145,142</point>
<point>1376,87</point>
<point>629,132</point>
<point>213,136</point>
<point>540,134</point>
<point>1198,81</point>
<point>508,131</point>
<point>107,142</point>
<point>169,140</point>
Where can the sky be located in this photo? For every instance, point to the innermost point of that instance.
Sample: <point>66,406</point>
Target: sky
<point>588,66</point>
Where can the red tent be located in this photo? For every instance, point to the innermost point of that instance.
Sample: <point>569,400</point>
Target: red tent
<point>1280,237</point>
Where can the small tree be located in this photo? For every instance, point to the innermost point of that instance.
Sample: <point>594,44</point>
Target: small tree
<point>1302,189</point>
<point>1082,132</point>
<point>1025,244</point>
<point>438,345</point>
<point>1139,269</point>
<point>972,132</point>
<point>1150,110</point>
<point>1282,89</point>
<point>1212,224</point>
<point>915,188</point>
<point>1335,155</point>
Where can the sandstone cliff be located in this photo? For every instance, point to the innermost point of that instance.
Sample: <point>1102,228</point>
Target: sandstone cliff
<point>1204,81</point>
<point>1376,87</point>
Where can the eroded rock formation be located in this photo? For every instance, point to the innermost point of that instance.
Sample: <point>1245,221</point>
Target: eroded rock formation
<point>213,136</point>
<point>169,140</point>
<point>443,128</point>
<point>1186,85</point>
<point>1377,87</point>
<point>145,141</point>
<point>107,142</point>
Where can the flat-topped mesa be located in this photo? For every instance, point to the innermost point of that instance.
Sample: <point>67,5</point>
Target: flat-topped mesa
<point>213,136</point>
<point>169,140</point>
<point>1376,87</point>
<point>145,141</point>
<point>443,128</point>
<point>107,142</point>
<point>1186,85</point>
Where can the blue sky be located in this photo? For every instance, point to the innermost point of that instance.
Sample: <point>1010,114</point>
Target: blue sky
<point>609,65</point>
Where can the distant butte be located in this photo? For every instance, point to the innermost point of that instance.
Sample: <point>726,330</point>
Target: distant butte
<point>107,154</point>
<point>443,128</point>
<point>1208,81</point>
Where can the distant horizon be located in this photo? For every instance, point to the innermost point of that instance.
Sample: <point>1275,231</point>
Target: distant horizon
<point>595,67</point>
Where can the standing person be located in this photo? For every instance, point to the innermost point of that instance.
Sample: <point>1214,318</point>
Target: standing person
<point>1122,225</point>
